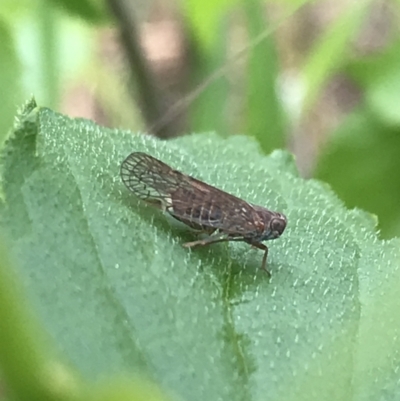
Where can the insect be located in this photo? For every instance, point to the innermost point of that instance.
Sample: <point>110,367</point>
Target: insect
<point>222,216</point>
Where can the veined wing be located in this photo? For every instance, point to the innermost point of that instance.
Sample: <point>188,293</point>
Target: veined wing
<point>149,178</point>
<point>186,198</point>
<point>207,206</point>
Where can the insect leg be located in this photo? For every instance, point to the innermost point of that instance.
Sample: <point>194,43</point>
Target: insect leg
<point>263,247</point>
<point>207,241</point>
<point>223,238</point>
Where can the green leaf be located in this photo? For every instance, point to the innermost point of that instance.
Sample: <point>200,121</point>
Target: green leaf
<point>329,54</point>
<point>90,10</point>
<point>265,117</point>
<point>361,157</point>
<point>31,370</point>
<point>118,293</point>
<point>359,162</point>
<point>379,77</point>
<point>204,115</point>
<point>204,17</point>
<point>9,79</point>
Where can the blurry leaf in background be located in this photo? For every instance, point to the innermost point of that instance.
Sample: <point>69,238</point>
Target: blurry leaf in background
<point>383,97</point>
<point>264,116</point>
<point>51,46</point>
<point>205,17</point>
<point>207,29</point>
<point>379,76</point>
<point>209,110</point>
<point>361,159</point>
<point>361,162</point>
<point>203,324</point>
<point>331,50</point>
<point>91,11</point>
<point>10,83</point>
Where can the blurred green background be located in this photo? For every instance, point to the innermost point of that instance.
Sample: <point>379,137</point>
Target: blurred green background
<point>319,78</point>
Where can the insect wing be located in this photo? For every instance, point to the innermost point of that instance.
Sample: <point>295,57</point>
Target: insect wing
<point>207,206</point>
<point>149,179</point>
<point>191,201</point>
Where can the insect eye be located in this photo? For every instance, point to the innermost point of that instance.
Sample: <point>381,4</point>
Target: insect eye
<point>278,225</point>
